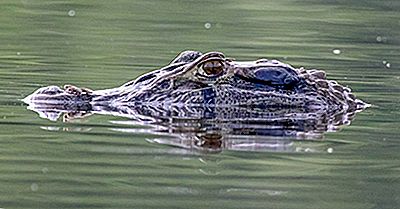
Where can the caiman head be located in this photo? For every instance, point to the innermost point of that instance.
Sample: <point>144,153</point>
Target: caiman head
<point>211,79</point>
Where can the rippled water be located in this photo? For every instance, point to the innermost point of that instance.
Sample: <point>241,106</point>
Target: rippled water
<point>107,161</point>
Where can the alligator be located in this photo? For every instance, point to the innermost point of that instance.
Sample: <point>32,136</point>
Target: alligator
<point>208,101</point>
<point>212,80</point>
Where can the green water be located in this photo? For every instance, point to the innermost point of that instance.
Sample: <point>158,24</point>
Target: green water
<point>102,44</point>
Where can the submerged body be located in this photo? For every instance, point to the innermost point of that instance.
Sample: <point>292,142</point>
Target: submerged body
<point>194,79</point>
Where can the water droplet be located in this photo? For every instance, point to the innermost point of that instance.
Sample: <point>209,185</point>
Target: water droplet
<point>71,13</point>
<point>330,150</point>
<point>386,63</point>
<point>336,51</point>
<point>18,53</point>
<point>34,187</point>
<point>45,170</point>
<point>207,25</point>
<point>381,39</point>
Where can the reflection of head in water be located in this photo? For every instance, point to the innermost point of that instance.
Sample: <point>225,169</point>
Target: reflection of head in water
<point>216,102</point>
<point>221,128</point>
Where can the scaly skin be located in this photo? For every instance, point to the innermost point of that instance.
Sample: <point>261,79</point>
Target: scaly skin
<point>194,79</point>
<point>212,101</point>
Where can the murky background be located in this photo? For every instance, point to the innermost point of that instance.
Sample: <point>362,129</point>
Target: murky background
<point>101,44</point>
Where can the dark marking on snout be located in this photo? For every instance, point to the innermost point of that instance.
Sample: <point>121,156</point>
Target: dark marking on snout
<point>279,77</point>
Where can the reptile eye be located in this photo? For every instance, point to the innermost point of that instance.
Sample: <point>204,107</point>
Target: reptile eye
<point>213,68</point>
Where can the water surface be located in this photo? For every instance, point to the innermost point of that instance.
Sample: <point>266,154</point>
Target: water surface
<point>91,163</point>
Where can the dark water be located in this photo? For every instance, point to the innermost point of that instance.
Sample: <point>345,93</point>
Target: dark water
<point>107,161</point>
